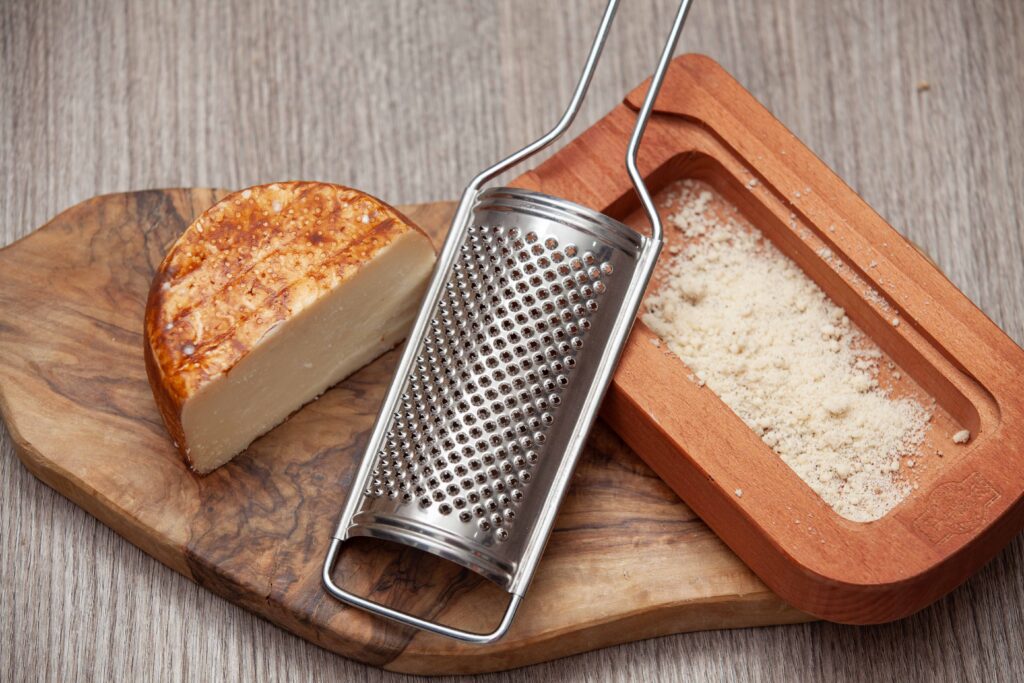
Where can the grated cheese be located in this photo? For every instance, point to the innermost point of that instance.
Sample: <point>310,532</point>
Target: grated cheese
<point>788,361</point>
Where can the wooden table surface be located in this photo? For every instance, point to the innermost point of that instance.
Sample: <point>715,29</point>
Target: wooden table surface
<point>919,105</point>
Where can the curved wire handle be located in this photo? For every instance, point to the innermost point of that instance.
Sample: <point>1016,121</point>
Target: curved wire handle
<point>573,108</point>
<point>645,114</point>
<point>579,93</point>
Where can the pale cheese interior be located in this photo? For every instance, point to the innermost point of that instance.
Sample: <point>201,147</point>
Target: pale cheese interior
<point>302,357</point>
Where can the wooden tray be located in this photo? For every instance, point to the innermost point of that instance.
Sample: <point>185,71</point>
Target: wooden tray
<point>74,394</point>
<point>968,504</point>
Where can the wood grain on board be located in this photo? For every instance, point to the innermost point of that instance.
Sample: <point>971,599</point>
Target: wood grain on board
<point>627,560</point>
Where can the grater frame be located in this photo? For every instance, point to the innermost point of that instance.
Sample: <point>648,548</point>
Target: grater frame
<point>382,468</point>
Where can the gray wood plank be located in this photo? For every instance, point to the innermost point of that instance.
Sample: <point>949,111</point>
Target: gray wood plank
<point>405,100</point>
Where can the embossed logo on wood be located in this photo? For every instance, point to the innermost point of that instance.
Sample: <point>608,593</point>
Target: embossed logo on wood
<point>956,507</point>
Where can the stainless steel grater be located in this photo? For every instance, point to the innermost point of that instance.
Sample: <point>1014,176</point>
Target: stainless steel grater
<point>526,314</point>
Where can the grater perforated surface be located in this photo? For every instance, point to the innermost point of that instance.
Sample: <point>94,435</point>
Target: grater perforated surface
<point>500,351</point>
<point>476,447</point>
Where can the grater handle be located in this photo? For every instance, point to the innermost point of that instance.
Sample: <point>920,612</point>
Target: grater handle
<point>409,619</point>
<point>470,194</point>
<point>644,116</point>
<point>573,108</point>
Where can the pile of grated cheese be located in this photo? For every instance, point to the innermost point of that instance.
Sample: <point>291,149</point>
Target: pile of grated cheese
<point>782,356</point>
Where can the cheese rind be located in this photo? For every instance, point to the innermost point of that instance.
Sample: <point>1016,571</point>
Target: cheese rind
<point>270,297</point>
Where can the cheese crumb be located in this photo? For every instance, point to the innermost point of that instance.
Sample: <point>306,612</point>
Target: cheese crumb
<point>789,362</point>
<point>739,493</point>
<point>963,436</point>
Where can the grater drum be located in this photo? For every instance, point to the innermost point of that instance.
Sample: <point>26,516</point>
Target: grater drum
<point>476,440</point>
<point>526,314</point>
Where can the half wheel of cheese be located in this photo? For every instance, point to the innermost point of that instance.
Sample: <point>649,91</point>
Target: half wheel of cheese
<point>270,297</point>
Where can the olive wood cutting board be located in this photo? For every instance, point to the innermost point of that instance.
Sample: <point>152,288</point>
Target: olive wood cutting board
<point>627,560</point>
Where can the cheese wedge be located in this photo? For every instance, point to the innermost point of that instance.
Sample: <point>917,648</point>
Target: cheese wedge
<point>270,297</point>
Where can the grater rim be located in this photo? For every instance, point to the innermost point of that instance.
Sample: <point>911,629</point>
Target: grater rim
<point>434,540</point>
<point>563,211</point>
